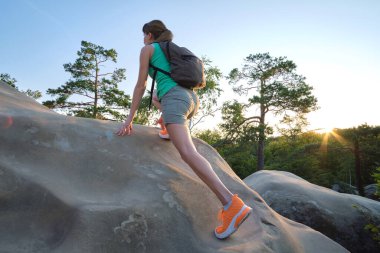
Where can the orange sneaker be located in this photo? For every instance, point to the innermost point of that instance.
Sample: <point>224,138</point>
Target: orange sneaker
<point>232,218</point>
<point>164,134</point>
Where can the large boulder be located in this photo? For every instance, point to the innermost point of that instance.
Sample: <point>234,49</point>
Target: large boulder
<point>372,192</point>
<point>342,217</point>
<point>71,185</point>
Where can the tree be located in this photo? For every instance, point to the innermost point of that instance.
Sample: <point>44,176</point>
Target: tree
<point>36,94</point>
<point>12,82</point>
<point>209,136</point>
<point>305,155</point>
<point>272,86</point>
<point>237,155</point>
<point>9,80</point>
<point>363,141</point>
<point>99,92</point>
<point>294,126</point>
<point>376,177</point>
<point>208,96</point>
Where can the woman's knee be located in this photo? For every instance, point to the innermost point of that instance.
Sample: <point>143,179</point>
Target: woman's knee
<point>188,154</point>
<point>182,141</point>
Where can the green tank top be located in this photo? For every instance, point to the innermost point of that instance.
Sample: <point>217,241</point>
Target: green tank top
<point>163,81</point>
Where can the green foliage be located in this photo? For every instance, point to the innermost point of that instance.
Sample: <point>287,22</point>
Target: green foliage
<point>300,155</point>
<point>363,142</point>
<point>325,159</point>
<point>279,88</point>
<point>240,158</point>
<point>272,86</point>
<point>145,116</point>
<point>33,93</point>
<point>320,158</point>
<point>238,155</point>
<point>211,137</point>
<point>374,230</point>
<point>376,177</point>
<point>209,95</point>
<point>238,128</point>
<point>12,82</point>
<point>8,79</point>
<point>93,93</point>
<point>373,225</point>
<point>291,127</point>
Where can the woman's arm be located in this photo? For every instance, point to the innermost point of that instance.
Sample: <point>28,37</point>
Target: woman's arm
<point>145,55</point>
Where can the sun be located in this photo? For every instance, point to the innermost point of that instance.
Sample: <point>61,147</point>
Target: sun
<point>328,130</point>
<point>327,133</point>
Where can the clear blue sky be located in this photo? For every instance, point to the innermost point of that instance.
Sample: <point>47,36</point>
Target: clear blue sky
<point>335,43</point>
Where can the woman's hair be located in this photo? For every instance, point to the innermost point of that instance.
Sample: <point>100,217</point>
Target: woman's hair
<point>158,30</point>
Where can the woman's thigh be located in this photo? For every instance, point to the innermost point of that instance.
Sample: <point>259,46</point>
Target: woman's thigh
<point>181,138</point>
<point>178,105</point>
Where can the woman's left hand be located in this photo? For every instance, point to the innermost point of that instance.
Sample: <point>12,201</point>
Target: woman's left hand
<point>126,128</point>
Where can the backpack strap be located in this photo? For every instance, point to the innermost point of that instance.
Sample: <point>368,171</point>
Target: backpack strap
<point>158,69</point>
<point>154,79</point>
<point>168,50</point>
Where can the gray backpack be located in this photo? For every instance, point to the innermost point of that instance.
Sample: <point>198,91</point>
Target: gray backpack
<point>186,69</point>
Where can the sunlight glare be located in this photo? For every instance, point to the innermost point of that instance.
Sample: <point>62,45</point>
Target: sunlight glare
<point>328,130</point>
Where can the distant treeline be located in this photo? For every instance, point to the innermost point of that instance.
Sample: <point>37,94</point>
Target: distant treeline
<point>347,157</point>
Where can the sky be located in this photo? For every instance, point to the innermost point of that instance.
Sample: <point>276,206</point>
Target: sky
<point>334,43</point>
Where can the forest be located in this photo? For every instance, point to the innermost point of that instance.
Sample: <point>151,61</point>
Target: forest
<point>347,158</point>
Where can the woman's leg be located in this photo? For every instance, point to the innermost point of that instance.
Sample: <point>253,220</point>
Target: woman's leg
<point>234,210</point>
<point>180,136</point>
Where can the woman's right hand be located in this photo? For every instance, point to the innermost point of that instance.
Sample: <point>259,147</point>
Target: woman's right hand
<point>126,128</point>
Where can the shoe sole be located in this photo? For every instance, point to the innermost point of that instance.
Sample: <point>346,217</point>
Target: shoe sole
<point>238,219</point>
<point>164,136</point>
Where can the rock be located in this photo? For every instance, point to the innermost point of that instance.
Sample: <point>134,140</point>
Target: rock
<point>344,188</point>
<point>71,185</point>
<point>370,191</point>
<point>342,217</point>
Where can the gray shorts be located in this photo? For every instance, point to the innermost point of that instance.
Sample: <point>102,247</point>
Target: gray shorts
<point>178,105</point>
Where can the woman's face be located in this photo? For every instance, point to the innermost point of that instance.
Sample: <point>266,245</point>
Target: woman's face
<point>148,38</point>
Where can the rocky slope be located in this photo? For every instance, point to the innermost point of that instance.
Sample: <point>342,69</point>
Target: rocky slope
<point>342,217</point>
<point>70,185</point>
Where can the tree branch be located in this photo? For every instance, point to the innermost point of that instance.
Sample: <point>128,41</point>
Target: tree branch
<point>249,120</point>
<point>203,116</point>
<point>79,105</point>
<point>105,74</point>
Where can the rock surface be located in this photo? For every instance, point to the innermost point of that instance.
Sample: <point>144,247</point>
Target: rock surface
<point>70,185</point>
<point>372,192</point>
<point>342,217</point>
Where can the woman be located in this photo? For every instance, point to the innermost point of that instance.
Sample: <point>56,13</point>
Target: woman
<point>178,105</point>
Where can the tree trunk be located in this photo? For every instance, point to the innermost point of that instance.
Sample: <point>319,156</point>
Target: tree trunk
<point>261,143</point>
<point>95,111</point>
<point>260,154</point>
<point>358,175</point>
<point>260,148</point>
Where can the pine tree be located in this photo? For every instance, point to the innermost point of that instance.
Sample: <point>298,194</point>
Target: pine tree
<point>92,91</point>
